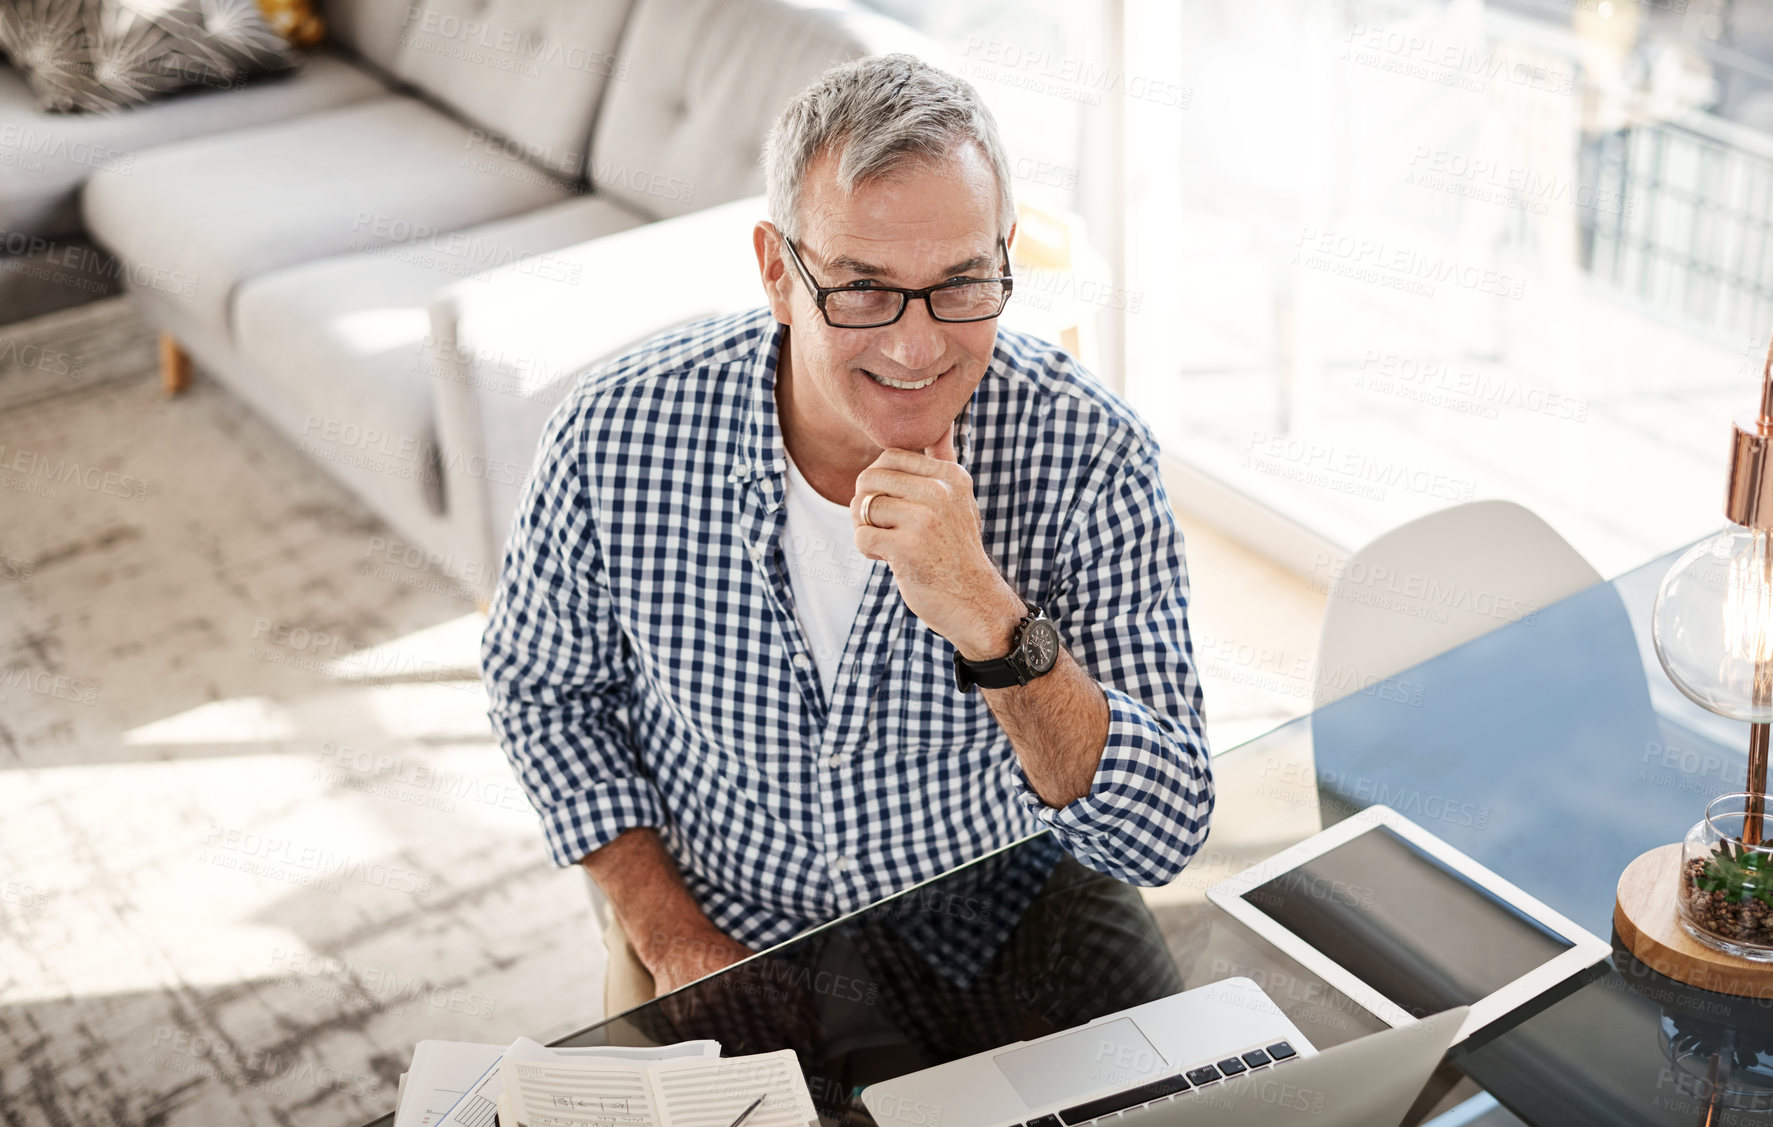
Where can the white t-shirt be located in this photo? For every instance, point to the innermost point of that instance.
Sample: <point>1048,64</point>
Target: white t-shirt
<point>826,572</point>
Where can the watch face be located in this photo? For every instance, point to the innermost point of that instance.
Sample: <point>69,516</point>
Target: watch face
<point>1040,645</point>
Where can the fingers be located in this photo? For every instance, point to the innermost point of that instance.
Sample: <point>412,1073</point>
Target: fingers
<point>884,512</point>
<point>923,465</point>
<point>931,491</point>
<point>873,543</point>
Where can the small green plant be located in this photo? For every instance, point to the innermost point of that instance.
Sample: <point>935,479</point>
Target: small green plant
<point>1739,873</point>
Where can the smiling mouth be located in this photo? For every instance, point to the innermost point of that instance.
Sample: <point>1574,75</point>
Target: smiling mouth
<point>902,385</point>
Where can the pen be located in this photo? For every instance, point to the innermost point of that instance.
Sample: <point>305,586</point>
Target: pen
<point>746,1114</point>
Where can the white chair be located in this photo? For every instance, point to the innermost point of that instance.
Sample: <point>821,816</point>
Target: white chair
<point>1436,583</point>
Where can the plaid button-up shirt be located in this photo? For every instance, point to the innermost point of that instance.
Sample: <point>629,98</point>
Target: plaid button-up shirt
<point>646,668</point>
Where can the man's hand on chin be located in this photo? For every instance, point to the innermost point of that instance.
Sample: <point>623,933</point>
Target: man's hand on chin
<point>926,526</point>
<point>680,958</point>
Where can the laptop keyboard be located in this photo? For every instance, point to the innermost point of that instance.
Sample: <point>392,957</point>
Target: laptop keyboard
<point>1169,1087</point>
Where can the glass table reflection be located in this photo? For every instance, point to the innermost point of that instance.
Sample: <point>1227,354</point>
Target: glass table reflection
<point>1553,750</point>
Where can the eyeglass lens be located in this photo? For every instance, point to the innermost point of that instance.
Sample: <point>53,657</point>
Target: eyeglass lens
<point>955,303</point>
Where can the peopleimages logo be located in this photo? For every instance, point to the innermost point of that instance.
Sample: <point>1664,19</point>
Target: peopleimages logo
<point>34,357</point>
<point>1065,76</point>
<point>1446,62</point>
<point>54,685</point>
<point>389,554</point>
<point>1348,471</point>
<point>453,252</point>
<point>194,1055</point>
<point>398,455</point>
<point>413,782</point>
<point>60,149</point>
<point>644,181</point>
<point>1399,267</point>
<point>1524,189</point>
<point>67,471</point>
<point>322,976</point>
<point>1359,581</point>
<point>450,35</point>
<point>1472,393</point>
<point>278,857</point>
<point>94,267</point>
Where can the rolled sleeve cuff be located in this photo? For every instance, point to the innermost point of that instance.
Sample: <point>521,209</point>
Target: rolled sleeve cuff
<point>589,820</point>
<point>1147,810</point>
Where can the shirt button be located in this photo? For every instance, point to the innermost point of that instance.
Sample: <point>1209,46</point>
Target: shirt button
<point>835,759</point>
<point>801,661</point>
<point>840,863</point>
<point>755,551</point>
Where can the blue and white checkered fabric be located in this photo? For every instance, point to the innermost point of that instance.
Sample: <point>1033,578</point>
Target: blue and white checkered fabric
<point>646,668</point>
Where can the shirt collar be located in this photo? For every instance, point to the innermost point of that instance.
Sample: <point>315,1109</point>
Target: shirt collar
<point>761,457</point>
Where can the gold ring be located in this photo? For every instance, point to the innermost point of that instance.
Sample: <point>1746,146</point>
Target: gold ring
<point>867,501</point>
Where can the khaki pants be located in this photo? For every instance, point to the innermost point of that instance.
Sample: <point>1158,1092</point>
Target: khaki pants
<point>626,981</point>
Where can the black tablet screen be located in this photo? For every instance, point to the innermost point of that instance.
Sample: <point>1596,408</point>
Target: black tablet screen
<point>1406,924</point>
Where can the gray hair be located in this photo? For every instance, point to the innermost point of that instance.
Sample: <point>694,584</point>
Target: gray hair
<point>878,114</point>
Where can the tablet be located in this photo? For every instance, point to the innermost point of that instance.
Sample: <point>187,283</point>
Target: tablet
<point>1406,925</point>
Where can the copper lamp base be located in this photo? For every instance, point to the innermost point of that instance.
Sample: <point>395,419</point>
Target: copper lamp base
<point>1644,917</point>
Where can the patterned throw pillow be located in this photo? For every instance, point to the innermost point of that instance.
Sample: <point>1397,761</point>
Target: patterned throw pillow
<point>46,40</point>
<point>95,55</point>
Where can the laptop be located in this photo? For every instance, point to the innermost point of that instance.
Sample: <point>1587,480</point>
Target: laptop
<point>1221,1053</point>
<point>1370,1082</point>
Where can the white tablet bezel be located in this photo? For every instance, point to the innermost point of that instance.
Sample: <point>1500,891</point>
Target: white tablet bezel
<point>1585,952</point>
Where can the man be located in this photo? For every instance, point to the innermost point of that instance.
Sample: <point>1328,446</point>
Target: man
<point>723,654</point>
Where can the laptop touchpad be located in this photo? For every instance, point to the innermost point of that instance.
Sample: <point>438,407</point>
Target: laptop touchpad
<point>1113,1053</point>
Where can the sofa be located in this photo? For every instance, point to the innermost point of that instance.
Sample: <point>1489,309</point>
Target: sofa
<point>407,281</point>
<point>46,260</point>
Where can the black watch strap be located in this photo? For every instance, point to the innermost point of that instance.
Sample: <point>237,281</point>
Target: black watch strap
<point>998,673</point>
<point>1001,672</point>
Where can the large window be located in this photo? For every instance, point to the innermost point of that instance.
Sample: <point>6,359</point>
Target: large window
<point>1398,256</point>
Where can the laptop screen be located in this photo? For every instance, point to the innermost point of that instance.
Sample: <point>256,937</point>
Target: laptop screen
<point>1407,925</point>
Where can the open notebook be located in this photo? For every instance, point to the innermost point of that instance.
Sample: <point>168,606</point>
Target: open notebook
<point>456,1084</point>
<point>688,1092</point>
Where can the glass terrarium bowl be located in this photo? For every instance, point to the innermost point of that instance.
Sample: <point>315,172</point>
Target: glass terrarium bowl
<point>1726,893</point>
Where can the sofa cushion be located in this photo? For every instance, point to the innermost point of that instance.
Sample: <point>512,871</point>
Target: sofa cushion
<point>45,157</point>
<point>203,217</point>
<point>529,71</point>
<point>509,346</point>
<point>683,127</point>
<point>368,28</point>
<point>343,341</point>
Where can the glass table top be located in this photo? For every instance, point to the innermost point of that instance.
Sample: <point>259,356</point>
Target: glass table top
<point>1552,750</point>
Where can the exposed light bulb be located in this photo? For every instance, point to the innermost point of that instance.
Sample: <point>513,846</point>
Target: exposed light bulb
<point>1748,602</point>
<point>1713,624</point>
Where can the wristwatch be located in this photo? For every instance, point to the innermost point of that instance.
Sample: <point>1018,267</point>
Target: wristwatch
<point>1035,652</point>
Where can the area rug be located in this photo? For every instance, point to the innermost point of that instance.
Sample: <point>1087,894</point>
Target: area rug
<point>256,838</point>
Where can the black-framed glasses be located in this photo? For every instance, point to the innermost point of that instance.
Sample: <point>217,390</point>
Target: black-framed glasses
<point>870,305</point>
